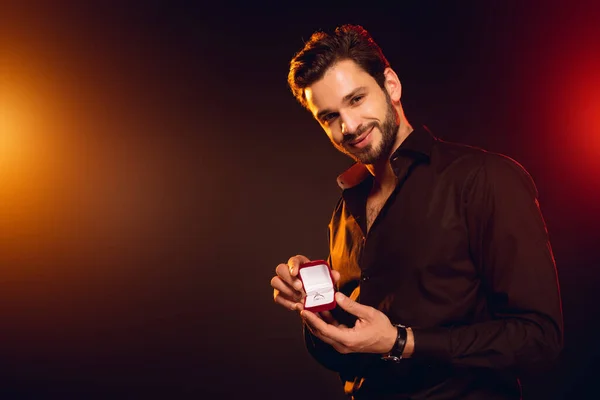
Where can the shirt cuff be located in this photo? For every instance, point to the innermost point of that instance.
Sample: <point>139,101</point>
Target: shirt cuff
<point>432,343</point>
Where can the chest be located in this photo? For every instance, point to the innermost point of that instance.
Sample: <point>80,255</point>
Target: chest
<point>373,207</point>
<point>416,242</point>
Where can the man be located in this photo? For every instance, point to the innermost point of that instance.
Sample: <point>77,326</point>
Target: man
<point>448,287</point>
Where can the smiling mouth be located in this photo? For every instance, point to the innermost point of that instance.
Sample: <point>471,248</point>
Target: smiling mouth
<point>361,137</point>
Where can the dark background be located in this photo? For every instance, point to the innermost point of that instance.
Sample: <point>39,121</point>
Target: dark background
<point>154,169</point>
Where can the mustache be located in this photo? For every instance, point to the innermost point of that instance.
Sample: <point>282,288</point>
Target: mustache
<point>352,136</point>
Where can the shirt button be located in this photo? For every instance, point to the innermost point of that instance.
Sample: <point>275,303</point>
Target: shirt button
<point>364,277</point>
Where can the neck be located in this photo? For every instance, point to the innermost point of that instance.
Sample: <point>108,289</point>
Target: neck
<point>385,178</point>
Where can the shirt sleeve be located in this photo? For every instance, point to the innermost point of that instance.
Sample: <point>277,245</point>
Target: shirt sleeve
<point>510,248</point>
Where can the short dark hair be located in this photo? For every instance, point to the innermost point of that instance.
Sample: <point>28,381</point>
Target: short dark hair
<point>348,42</point>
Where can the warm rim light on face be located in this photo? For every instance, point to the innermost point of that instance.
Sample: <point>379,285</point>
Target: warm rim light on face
<point>348,102</point>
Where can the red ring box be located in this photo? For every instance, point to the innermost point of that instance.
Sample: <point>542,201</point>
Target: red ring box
<point>318,284</point>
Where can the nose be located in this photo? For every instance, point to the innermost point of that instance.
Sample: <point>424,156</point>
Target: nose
<point>350,123</point>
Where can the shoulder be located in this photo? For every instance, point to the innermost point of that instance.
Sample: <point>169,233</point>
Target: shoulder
<point>477,171</point>
<point>486,175</point>
<point>475,163</point>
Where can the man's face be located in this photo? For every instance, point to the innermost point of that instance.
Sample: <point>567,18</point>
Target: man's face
<point>355,112</point>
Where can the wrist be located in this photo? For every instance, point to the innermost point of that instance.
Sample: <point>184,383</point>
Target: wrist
<point>397,350</point>
<point>409,348</point>
<point>390,339</point>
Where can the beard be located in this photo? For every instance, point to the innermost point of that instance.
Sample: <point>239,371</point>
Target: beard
<point>373,153</point>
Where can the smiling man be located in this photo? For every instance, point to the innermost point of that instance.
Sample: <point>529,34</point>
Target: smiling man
<point>448,287</point>
<point>351,132</point>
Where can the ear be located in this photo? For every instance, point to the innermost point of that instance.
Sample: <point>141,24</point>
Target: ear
<point>392,85</point>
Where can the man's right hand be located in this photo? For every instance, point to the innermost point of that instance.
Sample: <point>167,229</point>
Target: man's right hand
<point>287,287</point>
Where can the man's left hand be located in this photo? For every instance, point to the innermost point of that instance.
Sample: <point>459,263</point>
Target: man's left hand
<point>372,333</point>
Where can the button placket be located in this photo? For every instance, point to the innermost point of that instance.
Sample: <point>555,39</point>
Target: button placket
<point>364,276</point>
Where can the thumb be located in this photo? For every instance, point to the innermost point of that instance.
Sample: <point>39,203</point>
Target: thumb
<point>351,306</point>
<point>295,262</point>
<point>336,276</point>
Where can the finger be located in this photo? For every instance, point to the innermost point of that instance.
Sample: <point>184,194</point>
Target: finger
<point>310,325</point>
<point>311,329</point>
<point>320,325</point>
<point>326,339</point>
<point>337,345</point>
<point>327,317</point>
<point>354,308</point>
<point>283,271</point>
<point>285,290</point>
<point>286,303</point>
<point>295,262</point>
<point>319,328</point>
<point>336,276</point>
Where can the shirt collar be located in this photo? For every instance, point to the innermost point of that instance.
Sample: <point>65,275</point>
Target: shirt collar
<point>416,146</point>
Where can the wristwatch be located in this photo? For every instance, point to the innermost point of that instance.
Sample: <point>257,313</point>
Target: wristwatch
<point>396,353</point>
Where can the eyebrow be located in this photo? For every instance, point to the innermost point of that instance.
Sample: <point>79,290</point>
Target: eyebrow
<point>346,98</point>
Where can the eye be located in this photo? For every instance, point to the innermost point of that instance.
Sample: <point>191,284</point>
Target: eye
<point>357,99</point>
<point>329,117</point>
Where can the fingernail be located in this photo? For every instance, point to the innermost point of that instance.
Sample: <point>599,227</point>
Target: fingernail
<point>293,307</point>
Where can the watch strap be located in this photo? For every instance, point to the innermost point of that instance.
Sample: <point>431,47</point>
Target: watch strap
<point>396,353</point>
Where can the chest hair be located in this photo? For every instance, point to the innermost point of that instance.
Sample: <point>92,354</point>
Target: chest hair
<point>374,205</point>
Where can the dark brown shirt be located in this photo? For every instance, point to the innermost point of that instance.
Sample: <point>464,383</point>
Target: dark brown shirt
<point>460,253</point>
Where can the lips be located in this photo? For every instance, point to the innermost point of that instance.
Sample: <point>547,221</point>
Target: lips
<point>358,141</point>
